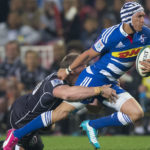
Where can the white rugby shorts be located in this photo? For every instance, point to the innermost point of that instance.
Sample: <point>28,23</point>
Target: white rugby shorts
<point>122,98</point>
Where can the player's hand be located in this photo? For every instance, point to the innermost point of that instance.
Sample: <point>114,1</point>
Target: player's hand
<point>62,74</point>
<point>109,93</point>
<point>146,66</point>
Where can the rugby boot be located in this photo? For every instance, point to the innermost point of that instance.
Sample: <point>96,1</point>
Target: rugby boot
<point>91,133</point>
<point>10,141</point>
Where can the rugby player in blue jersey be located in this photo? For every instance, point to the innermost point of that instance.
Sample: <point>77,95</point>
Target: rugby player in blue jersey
<point>47,96</point>
<point>117,47</point>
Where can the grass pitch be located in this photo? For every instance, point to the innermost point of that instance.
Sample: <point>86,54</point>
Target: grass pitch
<point>106,142</point>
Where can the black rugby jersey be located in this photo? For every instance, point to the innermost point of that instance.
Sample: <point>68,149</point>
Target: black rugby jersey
<point>29,106</point>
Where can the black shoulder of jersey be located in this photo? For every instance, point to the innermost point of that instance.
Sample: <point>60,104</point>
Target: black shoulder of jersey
<point>51,76</point>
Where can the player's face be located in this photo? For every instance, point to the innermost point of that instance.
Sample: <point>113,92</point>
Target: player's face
<point>138,20</point>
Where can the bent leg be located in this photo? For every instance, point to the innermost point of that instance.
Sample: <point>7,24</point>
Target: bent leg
<point>62,111</point>
<point>47,118</point>
<point>132,108</point>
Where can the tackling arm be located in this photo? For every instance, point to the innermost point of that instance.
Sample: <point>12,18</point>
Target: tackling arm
<point>76,93</point>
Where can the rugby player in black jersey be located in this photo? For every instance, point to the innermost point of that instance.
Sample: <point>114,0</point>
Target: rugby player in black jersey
<point>37,107</point>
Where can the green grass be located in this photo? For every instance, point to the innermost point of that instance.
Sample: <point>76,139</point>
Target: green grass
<point>107,143</point>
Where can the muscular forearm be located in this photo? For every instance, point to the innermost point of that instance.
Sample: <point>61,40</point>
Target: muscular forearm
<point>84,58</point>
<point>80,60</point>
<point>78,93</point>
<point>74,93</point>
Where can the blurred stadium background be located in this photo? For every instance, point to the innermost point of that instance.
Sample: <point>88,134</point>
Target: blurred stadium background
<point>36,34</point>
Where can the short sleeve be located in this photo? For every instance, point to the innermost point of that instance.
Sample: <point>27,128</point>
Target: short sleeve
<point>53,83</point>
<point>100,45</point>
<point>56,82</point>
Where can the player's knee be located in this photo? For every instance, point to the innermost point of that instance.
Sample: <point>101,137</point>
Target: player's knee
<point>136,115</point>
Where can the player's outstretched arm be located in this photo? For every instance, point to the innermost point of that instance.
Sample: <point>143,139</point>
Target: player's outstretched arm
<point>76,93</point>
<point>82,59</point>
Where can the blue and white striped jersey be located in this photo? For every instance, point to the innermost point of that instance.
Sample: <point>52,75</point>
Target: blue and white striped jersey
<point>118,51</point>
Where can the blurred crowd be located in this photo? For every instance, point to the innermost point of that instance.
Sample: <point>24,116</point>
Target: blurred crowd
<point>67,25</point>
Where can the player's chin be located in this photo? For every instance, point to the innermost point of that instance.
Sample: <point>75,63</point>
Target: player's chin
<point>139,29</point>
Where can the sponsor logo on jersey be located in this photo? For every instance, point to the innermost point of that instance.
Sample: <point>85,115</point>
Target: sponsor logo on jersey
<point>142,38</point>
<point>56,82</point>
<point>99,45</point>
<point>127,53</point>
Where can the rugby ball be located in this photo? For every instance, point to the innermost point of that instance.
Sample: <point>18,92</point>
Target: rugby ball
<point>143,55</point>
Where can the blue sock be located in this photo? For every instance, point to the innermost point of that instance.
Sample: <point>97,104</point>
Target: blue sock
<point>40,121</point>
<point>116,119</point>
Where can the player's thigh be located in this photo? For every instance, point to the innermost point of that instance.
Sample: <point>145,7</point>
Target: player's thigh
<point>117,105</point>
<point>128,105</point>
<point>133,109</point>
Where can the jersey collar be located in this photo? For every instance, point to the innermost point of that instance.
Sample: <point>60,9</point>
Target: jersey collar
<point>122,31</point>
